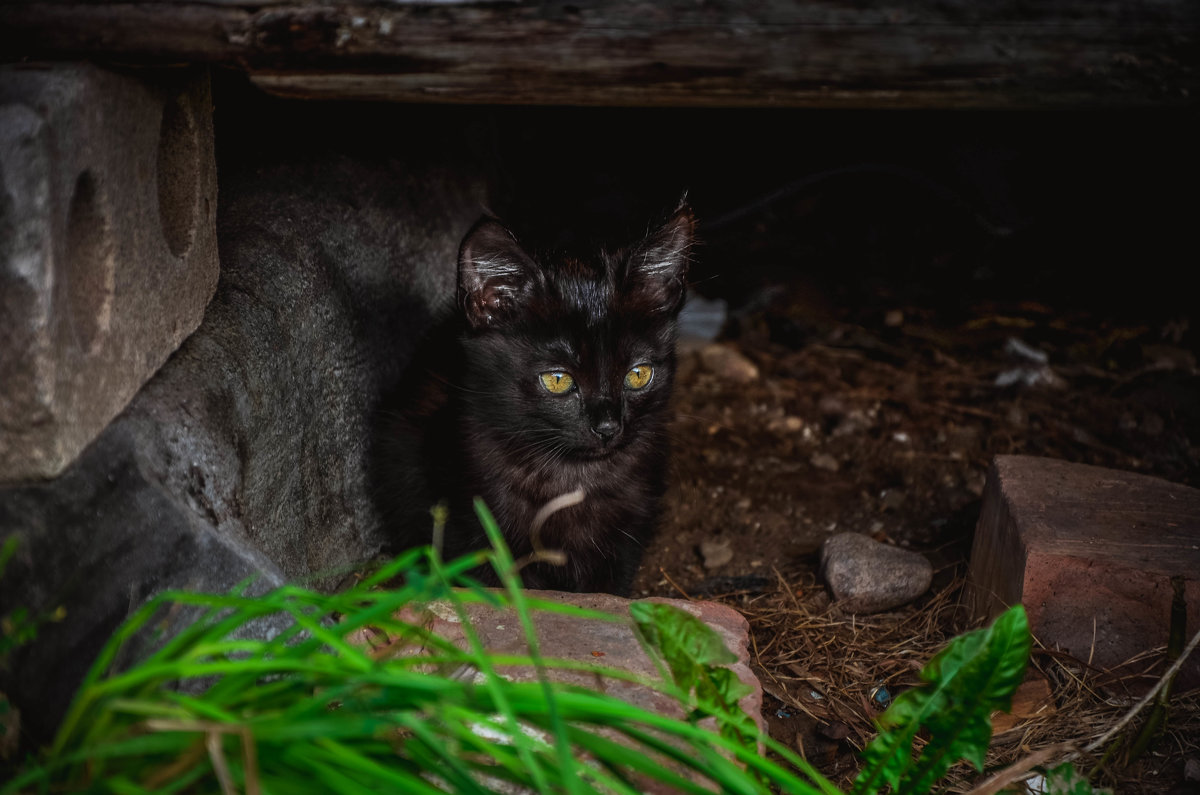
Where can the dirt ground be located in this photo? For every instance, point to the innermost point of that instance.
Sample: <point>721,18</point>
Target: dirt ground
<point>874,407</point>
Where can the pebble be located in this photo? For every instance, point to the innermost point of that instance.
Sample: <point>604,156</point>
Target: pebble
<point>866,576</point>
<point>788,423</point>
<point>831,406</point>
<point>833,730</point>
<point>727,363</point>
<point>825,461</point>
<point>891,499</point>
<point>716,553</point>
<point>852,422</point>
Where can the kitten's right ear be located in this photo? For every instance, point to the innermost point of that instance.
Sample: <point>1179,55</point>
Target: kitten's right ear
<point>495,274</point>
<point>657,271</point>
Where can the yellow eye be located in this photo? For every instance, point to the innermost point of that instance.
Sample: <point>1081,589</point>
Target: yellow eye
<point>639,376</point>
<point>557,382</point>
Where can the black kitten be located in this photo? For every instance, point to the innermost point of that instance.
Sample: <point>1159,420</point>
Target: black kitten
<point>552,378</point>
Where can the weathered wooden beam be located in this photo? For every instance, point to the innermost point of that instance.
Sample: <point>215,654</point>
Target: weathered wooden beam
<point>937,53</point>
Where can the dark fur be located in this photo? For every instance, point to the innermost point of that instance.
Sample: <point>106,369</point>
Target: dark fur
<point>476,421</point>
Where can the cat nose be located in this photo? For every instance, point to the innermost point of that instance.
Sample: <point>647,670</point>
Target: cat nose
<point>606,428</point>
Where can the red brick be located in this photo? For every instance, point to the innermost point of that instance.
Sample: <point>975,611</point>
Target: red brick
<point>1090,552</point>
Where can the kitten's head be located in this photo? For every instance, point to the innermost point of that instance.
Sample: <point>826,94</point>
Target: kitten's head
<point>569,357</point>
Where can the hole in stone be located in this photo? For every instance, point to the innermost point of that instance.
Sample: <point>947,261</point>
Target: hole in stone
<point>8,235</point>
<point>178,175</point>
<point>90,263</point>
<point>15,297</point>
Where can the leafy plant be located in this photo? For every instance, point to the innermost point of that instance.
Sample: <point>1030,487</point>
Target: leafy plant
<point>310,709</point>
<point>694,657</point>
<point>1064,779</point>
<point>17,626</point>
<point>966,682</point>
<point>316,707</point>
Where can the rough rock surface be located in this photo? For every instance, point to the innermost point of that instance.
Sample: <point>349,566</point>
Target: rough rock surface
<point>246,453</point>
<point>591,641</point>
<point>596,642</point>
<point>867,576</point>
<point>108,252</point>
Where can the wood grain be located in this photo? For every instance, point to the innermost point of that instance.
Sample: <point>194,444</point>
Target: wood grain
<point>835,53</point>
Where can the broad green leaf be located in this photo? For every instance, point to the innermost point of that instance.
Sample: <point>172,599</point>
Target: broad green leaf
<point>685,643</point>
<point>718,691</point>
<point>694,654</point>
<point>972,677</point>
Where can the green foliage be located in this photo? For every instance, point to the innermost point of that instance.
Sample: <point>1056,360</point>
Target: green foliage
<point>695,656</point>
<point>355,695</point>
<point>317,707</point>
<point>16,629</point>
<point>968,680</point>
<point>7,550</point>
<point>1066,780</point>
<point>18,626</point>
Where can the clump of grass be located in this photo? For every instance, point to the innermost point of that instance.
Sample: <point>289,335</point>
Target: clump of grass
<point>311,710</point>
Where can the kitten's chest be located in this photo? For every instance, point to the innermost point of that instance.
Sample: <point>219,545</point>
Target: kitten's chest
<point>620,494</point>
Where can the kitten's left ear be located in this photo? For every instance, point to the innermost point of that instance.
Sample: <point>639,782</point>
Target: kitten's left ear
<point>495,275</point>
<point>656,275</point>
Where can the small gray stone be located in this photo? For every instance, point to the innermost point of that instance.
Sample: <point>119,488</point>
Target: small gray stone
<point>825,461</point>
<point>788,423</point>
<point>891,499</point>
<point>725,362</point>
<point>716,553</point>
<point>866,576</point>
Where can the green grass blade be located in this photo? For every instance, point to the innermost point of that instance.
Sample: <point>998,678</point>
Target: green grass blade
<point>506,568</point>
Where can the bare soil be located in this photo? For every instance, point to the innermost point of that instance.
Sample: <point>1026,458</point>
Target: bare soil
<point>875,408</point>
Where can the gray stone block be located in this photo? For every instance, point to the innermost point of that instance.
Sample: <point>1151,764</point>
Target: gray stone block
<point>93,546</point>
<point>247,453</point>
<point>108,251</point>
